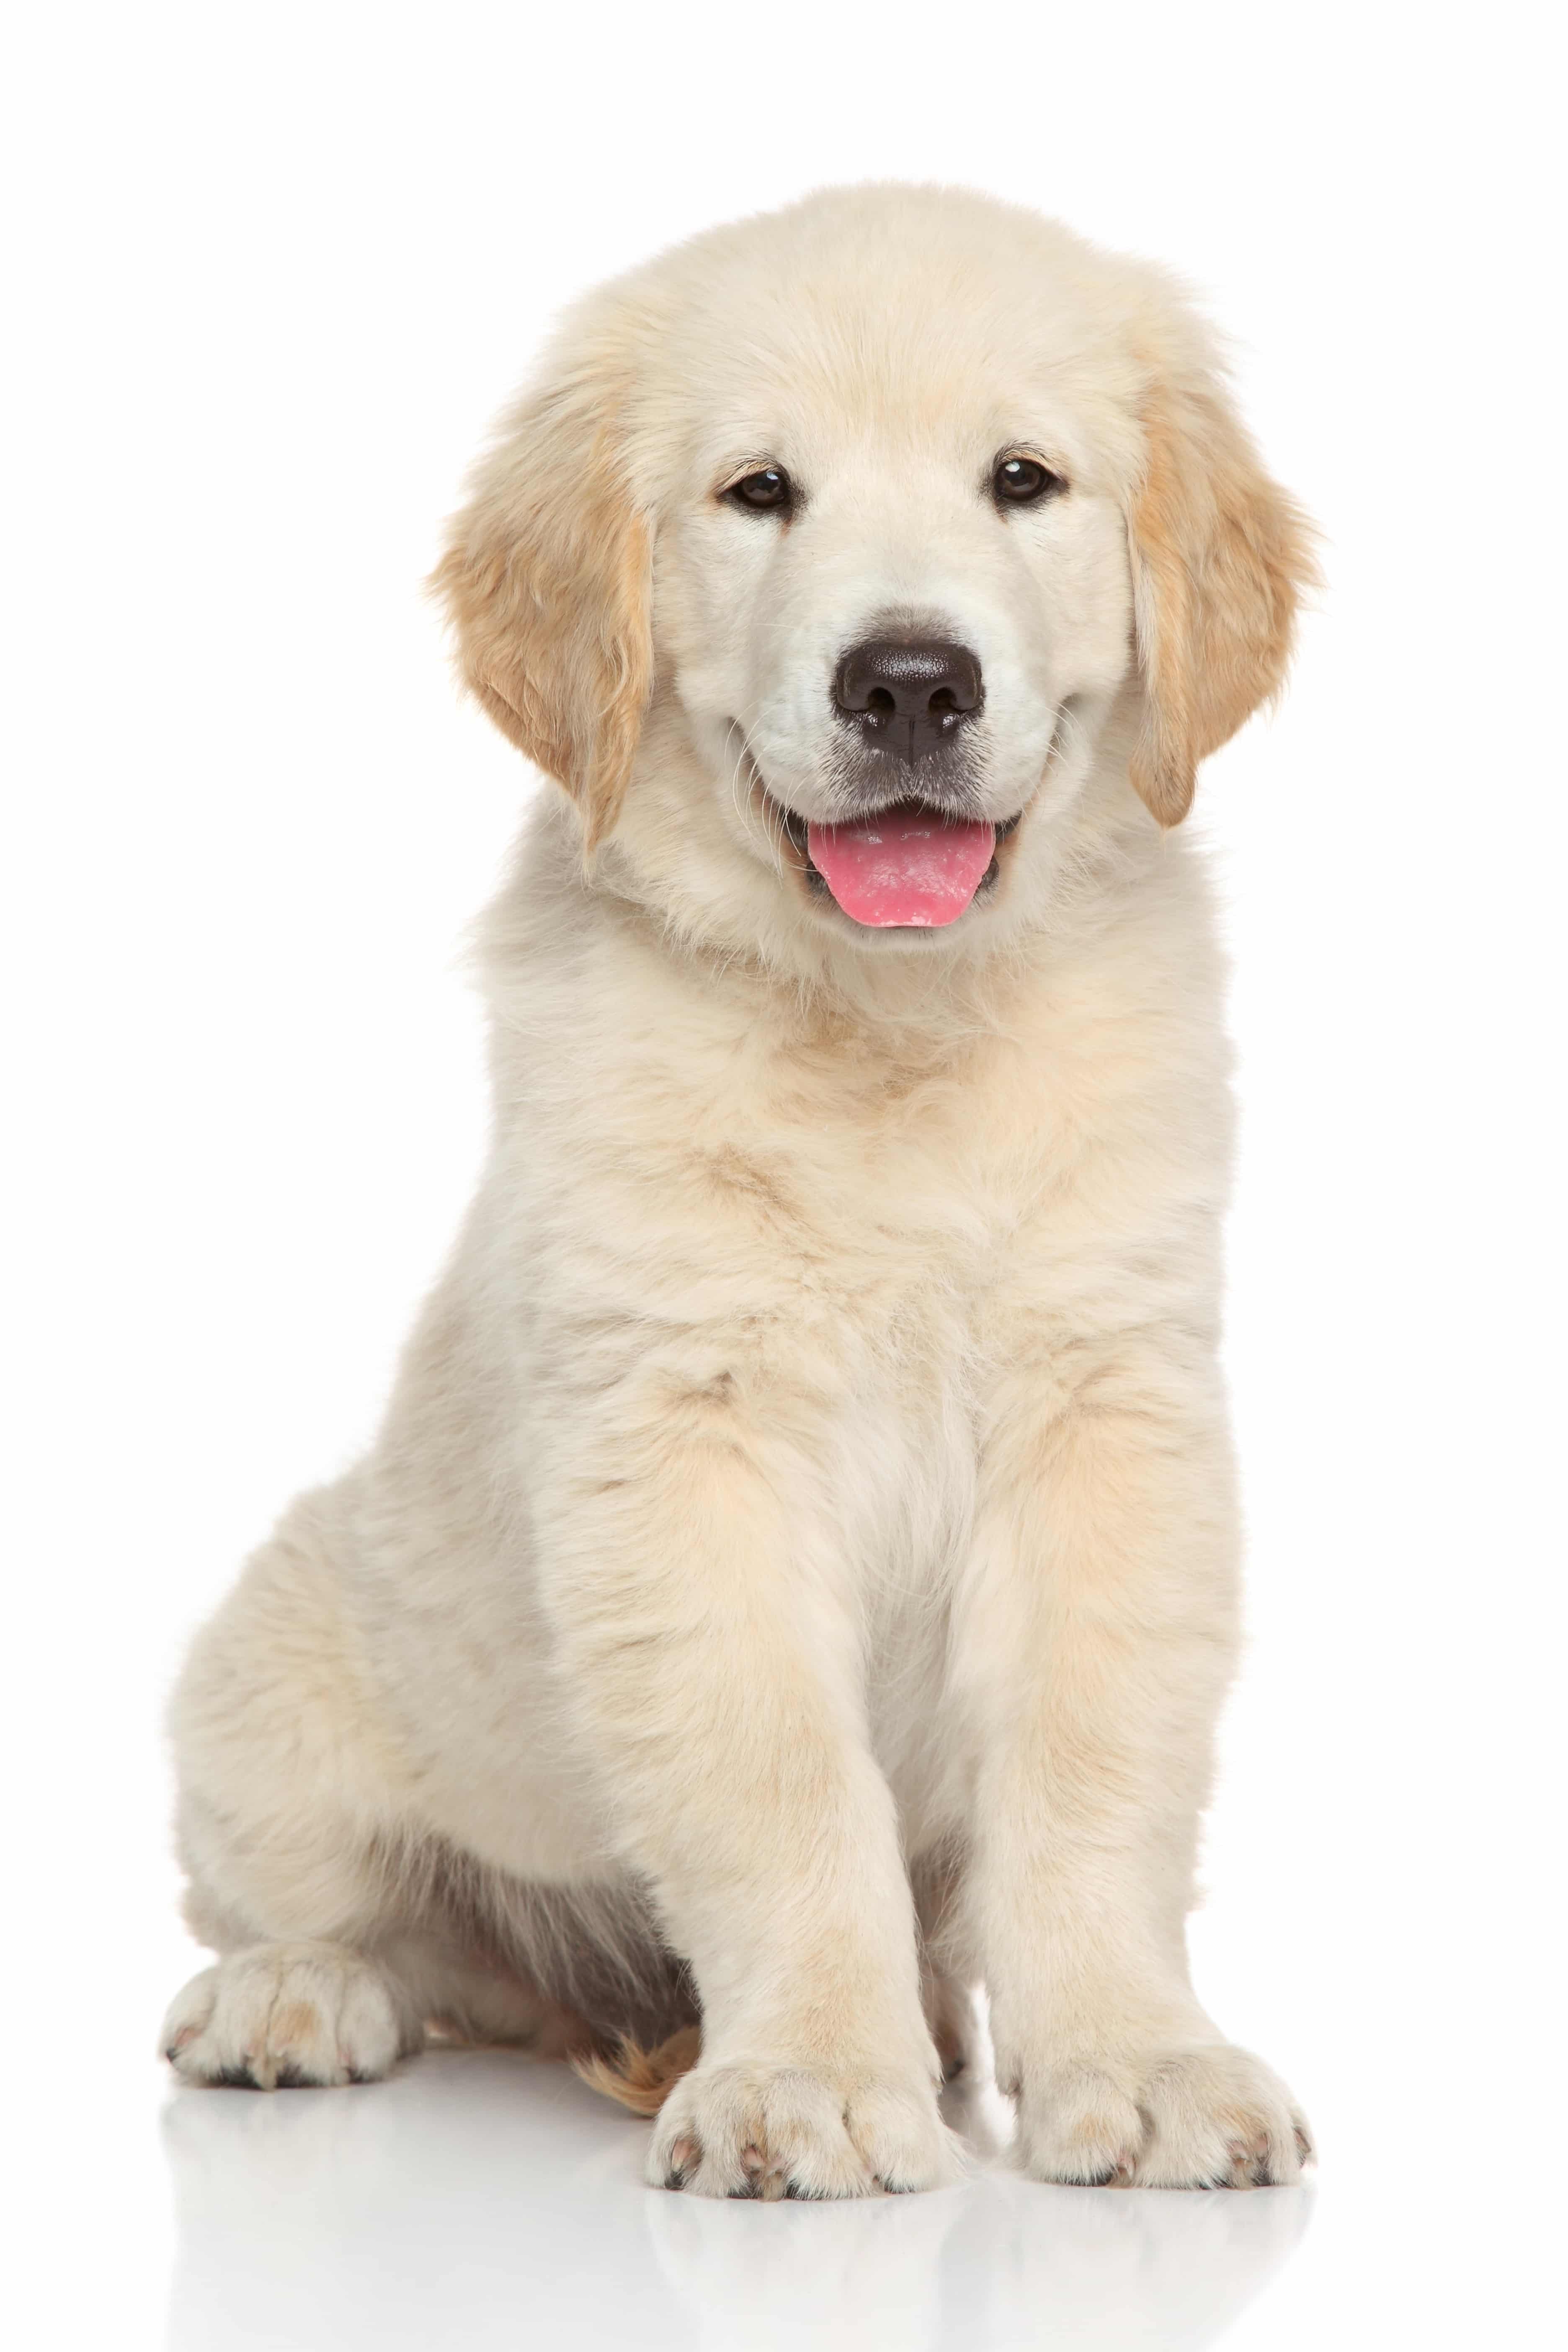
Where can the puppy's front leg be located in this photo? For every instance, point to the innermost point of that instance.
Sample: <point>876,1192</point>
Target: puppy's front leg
<point>706,1645</point>
<point>1095,1641</point>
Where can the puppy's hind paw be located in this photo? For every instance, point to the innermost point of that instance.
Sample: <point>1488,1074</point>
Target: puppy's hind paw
<point>284,2016</point>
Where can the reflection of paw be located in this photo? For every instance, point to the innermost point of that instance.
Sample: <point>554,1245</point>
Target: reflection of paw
<point>284,2015</point>
<point>782,2131</point>
<point>1207,2119</point>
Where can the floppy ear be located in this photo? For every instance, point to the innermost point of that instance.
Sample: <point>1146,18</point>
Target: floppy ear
<point>546,582</point>
<point>1220,556</point>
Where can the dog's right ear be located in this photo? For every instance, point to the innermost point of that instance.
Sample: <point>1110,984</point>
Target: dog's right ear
<point>546,582</point>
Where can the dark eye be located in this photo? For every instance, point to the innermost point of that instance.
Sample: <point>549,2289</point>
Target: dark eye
<point>767,491</point>
<point>1023,482</point>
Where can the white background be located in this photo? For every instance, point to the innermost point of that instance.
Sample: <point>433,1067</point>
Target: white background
<point>271,272</point>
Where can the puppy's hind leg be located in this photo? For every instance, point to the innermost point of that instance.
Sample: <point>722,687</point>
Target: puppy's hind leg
<point>276,2016</point>
<point>290,1804</point>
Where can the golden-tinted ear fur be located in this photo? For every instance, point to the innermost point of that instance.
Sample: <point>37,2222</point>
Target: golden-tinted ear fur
<point>1220,556</point>
<point>546,582</point>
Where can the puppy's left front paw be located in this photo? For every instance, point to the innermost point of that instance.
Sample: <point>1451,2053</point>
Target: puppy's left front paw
<point>1212,2118</point>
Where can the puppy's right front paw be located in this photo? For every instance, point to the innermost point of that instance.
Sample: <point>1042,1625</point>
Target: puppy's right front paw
<point>789,2131</point>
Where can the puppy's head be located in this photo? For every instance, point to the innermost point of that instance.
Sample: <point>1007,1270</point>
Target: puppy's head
<point>835,553</point>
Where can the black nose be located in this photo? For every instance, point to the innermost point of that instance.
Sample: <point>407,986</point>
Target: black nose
<point>907,699</point>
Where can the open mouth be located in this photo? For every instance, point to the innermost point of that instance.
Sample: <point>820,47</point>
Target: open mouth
<point>909,867</point>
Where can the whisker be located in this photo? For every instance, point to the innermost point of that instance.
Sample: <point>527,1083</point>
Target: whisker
<point>782,850</point>
<point>744,810</point>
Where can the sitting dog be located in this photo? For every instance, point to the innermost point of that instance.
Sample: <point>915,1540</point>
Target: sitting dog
<point>797,1578</point>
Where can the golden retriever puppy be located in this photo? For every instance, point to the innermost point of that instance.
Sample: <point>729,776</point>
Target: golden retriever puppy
<point>797,1578</point>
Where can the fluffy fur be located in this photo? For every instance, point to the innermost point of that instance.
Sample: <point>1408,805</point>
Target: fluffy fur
<point>797,1578</point>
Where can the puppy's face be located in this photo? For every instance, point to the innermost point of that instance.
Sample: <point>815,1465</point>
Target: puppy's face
<point>831,546</point>
<point>894,601</point>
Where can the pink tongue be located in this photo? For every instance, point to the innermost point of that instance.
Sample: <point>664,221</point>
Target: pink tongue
<point>903,867</point>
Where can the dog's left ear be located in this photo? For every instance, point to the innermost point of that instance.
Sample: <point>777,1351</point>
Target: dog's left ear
<point>1220,557</point>
<point>546,582</point>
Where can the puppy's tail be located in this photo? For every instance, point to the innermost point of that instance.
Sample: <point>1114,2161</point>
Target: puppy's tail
<point>641,2079</point>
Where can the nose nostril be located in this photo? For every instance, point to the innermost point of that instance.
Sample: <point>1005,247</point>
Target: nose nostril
<point>934,684</point>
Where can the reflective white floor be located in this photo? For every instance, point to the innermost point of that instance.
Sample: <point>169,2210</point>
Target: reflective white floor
<point>482,2201</point>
